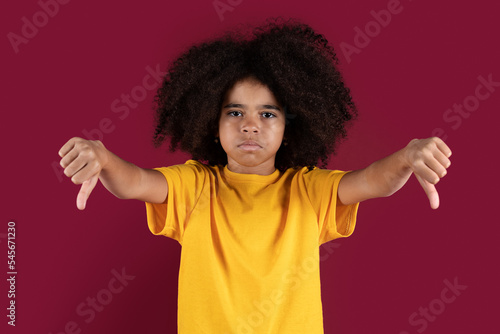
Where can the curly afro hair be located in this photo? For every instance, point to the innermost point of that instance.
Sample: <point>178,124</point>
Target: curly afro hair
<point>290,58</point>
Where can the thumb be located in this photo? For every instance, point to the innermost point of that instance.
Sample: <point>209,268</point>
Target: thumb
<point>430,191</point>
<point>85,191</point>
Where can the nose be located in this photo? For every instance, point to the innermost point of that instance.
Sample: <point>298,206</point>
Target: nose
<point>250,125</point>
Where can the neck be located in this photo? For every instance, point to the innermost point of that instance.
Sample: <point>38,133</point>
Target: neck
<point>265,168</point>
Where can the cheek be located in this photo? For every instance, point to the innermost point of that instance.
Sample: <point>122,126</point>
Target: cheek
<point>278,130</point>
<point>224,128</point>
<point>226,133</point>
<point>222,124</point>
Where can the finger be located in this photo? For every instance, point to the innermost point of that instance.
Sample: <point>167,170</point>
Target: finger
<point>442,159</point>
<point>76,170</point>
<point>81,169</point>
<point>430,191</point>
<point>85,190</point>
<point>426,172</point>
<point>439,170</point>
<point>442,146</point>
<point>85,173</point>
<point>68,146</point>
<point>68,158</point>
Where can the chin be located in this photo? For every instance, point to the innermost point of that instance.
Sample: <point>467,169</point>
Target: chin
<point>251,160</point>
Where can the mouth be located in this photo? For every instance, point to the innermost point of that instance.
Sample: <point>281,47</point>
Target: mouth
<point>249,145</point>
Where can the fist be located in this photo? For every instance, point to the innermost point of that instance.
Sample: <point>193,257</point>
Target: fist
<point>428,159</point>
<point>82,161</point>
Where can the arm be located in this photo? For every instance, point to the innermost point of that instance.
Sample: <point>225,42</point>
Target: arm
<point>87,161</point>
<point>426,158</point>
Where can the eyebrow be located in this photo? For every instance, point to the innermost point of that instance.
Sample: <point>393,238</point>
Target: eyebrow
<point>243,106</point>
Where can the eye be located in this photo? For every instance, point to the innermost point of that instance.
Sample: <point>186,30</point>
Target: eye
<point>233,111</point>
<point>269,113</point>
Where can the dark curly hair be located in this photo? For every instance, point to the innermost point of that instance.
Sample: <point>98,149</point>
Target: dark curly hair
<point>290,58</point>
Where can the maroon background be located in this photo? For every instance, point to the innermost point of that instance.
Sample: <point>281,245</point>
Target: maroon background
<point>65,78</point>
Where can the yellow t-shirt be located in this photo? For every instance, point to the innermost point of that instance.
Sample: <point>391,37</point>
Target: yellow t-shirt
<point>250,245</point>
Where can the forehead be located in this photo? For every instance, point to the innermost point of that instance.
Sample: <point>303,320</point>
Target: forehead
<point>250,89</point>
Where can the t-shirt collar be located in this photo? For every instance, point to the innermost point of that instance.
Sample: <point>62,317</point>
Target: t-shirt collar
<point>233,176</point>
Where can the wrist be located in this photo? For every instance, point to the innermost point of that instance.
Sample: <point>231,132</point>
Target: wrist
<point>104,155</point>
<point>407,155</point>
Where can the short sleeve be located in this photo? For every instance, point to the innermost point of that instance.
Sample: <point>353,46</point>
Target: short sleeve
<point>335,220</point>
<point>185,183</point>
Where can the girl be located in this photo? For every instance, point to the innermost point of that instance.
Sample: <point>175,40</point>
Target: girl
<point>257,112</point>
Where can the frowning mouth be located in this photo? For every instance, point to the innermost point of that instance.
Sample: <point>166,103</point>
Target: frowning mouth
<point>249,145</point>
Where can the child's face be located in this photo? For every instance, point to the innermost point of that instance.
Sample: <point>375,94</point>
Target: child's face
<point>250,112</point>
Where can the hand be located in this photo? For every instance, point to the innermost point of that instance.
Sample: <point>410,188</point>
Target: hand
<point>83,160</point>
<point>428,159</point>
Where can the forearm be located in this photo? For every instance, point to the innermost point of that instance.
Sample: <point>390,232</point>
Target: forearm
<point>380,179</point>
<point>120,177</point>
<point>386,176</point>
